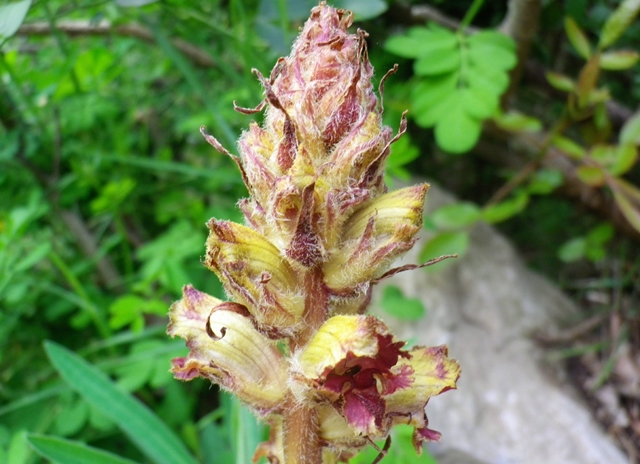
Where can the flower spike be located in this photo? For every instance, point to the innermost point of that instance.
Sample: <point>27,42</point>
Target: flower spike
<point>321,229</point>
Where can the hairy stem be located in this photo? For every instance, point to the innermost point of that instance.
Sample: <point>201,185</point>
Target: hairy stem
<point>301,429</point>
<point>316,308</point>
<point>301,434</point>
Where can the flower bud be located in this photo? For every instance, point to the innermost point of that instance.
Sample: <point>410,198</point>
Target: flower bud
<point>376,233</point>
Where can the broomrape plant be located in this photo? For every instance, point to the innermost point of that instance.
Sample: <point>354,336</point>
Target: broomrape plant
<point>321,229</point>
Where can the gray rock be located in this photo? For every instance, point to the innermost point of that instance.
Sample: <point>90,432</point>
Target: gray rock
<point>511,406</point>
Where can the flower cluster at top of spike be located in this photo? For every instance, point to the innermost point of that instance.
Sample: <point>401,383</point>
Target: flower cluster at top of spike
<point>321,230</point>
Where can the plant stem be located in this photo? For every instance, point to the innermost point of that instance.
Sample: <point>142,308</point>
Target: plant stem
<point>470,14</point>
<point>301,439</point>
<point>315,308</point>
<point>301,432</point>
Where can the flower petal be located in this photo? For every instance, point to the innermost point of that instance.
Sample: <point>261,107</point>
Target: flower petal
<point>225,347</point>
<point>344,342</point>
<point>255,273</point>
<point>378,232</point>
<point>431,372</point>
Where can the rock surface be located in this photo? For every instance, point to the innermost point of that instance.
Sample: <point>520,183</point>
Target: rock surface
<point>511,406</point>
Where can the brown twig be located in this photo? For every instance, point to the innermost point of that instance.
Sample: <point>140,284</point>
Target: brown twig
<point>79,28</point>
<point>86,241</point>
<point>516,150</point>
<point>572,333</point>
<point>521,24</point>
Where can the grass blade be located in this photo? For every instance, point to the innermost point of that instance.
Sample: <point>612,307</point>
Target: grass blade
<point>143,427</point>
<point>72,452</point>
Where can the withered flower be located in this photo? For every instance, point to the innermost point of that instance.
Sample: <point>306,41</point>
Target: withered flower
<point>321,230</point>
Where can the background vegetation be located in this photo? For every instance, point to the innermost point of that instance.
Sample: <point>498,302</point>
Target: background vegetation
<point>106,183</point>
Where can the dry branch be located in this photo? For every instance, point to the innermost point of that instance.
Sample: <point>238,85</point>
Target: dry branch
<point>79,28</point>
<point>517,150</point>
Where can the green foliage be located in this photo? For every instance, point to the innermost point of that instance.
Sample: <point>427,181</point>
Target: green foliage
<point>455,216</point>
<point>399,306</point>
<point>445,243</point>
<point>150,434</point>
<point>592,246</point>
<point>618,22</point>
<point>63,451</point>
<point>461,80</point>
<point>401,450</point>
<point>503,210</point>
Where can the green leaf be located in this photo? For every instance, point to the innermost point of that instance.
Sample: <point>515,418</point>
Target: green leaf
<point>625,158</point>
<point>421,41</point>
<point>456,216</point>
<point>603,154</point>
<point>18,452</point>
<point>630,132</point>
<point>479,102</point>
<point>63,451</point>
<point>144,429</point>
<point>505,209</point>
<point>72,418</point>
<point>397,305</point>
<point>569,147</point>
<point>601,234</point>
<point>491,49</point>
<point>591,175</point>
<point>36,255</point>
<point>456,131</point>
<point>129,309</point>
<point>573,250</point>
<point>560,81</point>
<point>618,22</point>
<point>545,181</point>
<point>437,61</point>
<point>112,195</point>
<point>491,79</point>
<point>432,96</point>
<point>618,60</point>
<point>445,243</point>
<point>363,9</point>
<point>401,451</point>
<point>577,38</point>
<point>403,152</point>
<point>629,210</point>
<point>134,3</point>
<point>11,17</point>
<point>515,121</point>
<point>627,197</point>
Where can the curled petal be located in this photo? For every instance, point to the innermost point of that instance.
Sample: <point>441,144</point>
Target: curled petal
<point>225,347</point>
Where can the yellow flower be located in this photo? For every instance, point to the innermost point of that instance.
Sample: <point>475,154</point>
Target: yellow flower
<point>225,347</point>
<point>354,364</point>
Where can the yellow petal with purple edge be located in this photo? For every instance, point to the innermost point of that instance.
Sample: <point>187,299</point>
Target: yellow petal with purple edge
<point>400,206</point>
<point>377,233</point>
<point>337,339</point>
<point>335,430</point>
<point>433,372</point>
<point>226,348</point>
<point>255,273</point>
